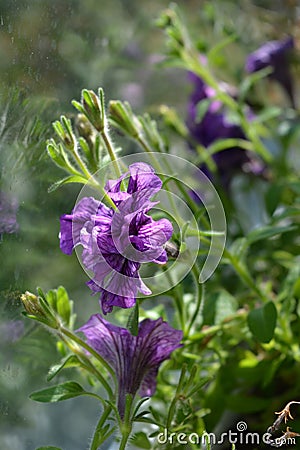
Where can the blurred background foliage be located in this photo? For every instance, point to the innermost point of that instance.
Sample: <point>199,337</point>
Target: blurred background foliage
<point>49,51</point>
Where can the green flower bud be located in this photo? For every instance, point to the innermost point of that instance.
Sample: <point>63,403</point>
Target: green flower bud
<point>38,309</point>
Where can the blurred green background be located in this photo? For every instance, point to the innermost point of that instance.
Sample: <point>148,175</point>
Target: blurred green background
<point>49,51</point>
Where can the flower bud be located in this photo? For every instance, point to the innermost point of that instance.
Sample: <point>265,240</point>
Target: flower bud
<point>123,117</point>
<point>38,309</point>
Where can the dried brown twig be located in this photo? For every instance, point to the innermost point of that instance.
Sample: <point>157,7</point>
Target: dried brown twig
<point>283,415</point>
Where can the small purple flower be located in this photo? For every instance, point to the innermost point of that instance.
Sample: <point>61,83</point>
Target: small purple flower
<point>214,125</point>
<point>274,54</point>
<point>8,214</point>
<point>135,359</point>
<point>115,243</point>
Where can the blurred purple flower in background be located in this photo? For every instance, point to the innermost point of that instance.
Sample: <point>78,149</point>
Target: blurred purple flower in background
<point>274,54</point>
<point>135,359</point>
<point>11,331</point>
<point>8,214</point>
<point>115,243</point>
<point>214,125</point>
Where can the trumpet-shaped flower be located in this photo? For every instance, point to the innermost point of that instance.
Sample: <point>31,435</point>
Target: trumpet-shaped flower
<point>274,54</point>
<point>135,359</point>
<point>215,124</point>
<point>116,242</point>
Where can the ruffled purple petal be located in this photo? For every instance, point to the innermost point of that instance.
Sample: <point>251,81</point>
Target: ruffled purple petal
<point>116,242</point>
<point>71,224</point>
<point>150,238</point>
<point>142,177</point>
<point>119,288</point>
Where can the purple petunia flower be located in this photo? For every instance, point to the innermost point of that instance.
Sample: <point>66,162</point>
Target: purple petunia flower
<point>276,55</point>
<point>8,214</point>
<point>215,124</point>
<point>116,242</point>
<point>135,359</point>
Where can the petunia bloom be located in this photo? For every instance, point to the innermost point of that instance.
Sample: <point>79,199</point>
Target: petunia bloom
<point>274,54</point>
<point>8,214</point>
<point>215,124</point>
<point>135,359</point>
<point>116,242</point>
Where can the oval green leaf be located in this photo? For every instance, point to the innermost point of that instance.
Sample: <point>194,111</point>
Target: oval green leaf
<point>58,393</point>
<point>262,322</point>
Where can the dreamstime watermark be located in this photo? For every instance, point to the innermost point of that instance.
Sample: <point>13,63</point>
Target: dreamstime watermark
<point>238,436</point>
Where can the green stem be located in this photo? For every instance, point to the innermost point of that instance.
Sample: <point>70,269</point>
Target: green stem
<point>126,425</point>
<point>177,295</point>
<point>80,163</point>
<point>125,437</point>
<point>228,323</point>
<point>90,179</point>
<point>186,196</point>
<point>199,296</point>
<point>110,148</point>
<point>87,365</point>
<point>93,352</point>
<point>174,401</point>
<point>101,421</point>
<point>244,275</point>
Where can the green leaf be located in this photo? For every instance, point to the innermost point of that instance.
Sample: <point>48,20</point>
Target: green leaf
<point>226,305</point>
<point>133,320</point>
<point>49,447</point>
<point>70,179</point>
<point>294,186</point>
<point>267,232</point>
<point>223,144</point>
<point>219,306</point>
<point>104,434</point>
<point>40,292</point>
<point>86,149</point>
<point>262,322</point>
<point>250,80</point>
<point>267,114</point>
<point>239,248</point>
<point>287,212</point>
<point>58,393</point>
<point>290,284</point>
<point>202,109</point>
<point>63,304</point>
<point>71,361</point>
<point>51,298</point>
<point>217,49</point>
<point>198,386</point>
<point>273,197</point>
<point>56,154</point>
<point>140,440</point>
